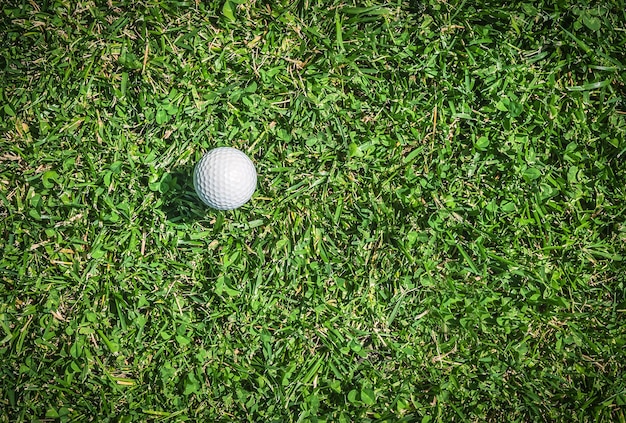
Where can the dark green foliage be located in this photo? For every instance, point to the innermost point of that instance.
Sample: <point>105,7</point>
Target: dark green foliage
<point>438,233</point>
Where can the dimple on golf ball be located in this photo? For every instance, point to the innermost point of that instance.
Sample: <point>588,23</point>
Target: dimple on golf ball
<point>224,178</point>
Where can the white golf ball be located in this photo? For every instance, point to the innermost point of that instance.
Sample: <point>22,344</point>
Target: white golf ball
<point>224,178</point>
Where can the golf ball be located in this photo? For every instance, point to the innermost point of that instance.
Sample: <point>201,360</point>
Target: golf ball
<point>224,178</point>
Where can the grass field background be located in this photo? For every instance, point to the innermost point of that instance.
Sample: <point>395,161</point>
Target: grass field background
<point>438,232</point>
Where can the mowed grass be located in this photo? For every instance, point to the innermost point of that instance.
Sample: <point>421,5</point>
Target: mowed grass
<point>438,232</point>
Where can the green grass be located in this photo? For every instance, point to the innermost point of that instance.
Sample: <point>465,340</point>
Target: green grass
<point>438,234</point>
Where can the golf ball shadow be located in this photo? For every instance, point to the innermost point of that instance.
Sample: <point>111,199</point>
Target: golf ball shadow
<point>179,199</point>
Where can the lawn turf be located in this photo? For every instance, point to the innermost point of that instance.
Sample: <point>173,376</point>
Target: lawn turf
<point>438,233</point>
